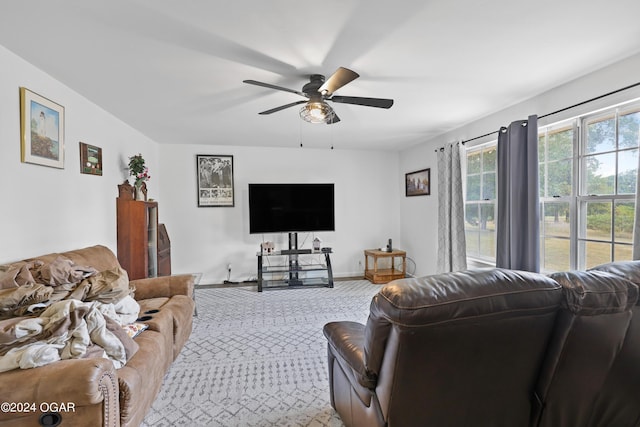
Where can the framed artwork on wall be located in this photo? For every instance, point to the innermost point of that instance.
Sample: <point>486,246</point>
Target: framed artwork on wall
<point>215,180</point>
<point>41,130</point>
<point>90,159</point>
<point>418,183</point>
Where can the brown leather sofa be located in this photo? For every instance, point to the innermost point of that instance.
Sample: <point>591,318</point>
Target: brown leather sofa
<point>100,394</point>
<point>492,348</point>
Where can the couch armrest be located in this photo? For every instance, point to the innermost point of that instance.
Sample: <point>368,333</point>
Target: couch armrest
<point>87,387</point>
<point>347,342</point>
<point>165,286</point>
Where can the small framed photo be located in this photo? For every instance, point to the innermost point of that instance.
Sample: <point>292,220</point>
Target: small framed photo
<point>215,180</point>
<point>41,130</point>
<point>90,159</point>
<point>418,183</point>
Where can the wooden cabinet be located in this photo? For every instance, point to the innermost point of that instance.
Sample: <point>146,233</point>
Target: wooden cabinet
<point>138,242</point>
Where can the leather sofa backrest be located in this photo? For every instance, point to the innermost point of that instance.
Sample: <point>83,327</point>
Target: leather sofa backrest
<point>466,346</point>
<point>630,270</point>
<point>619,398</point>
<point>589,333</point>
<point>99,257</point>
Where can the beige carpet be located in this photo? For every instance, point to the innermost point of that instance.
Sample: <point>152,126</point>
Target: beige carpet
<point>258,359</point>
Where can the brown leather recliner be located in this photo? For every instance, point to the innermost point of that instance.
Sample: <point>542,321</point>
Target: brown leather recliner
<point>457,349</point>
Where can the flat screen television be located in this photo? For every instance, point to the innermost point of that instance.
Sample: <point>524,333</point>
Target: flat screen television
<point>288,208</point>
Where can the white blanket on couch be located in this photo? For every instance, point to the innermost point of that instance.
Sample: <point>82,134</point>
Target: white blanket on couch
<point>67,329</point>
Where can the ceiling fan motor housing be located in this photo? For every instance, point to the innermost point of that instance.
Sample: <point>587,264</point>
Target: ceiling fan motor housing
<point>311,88</point>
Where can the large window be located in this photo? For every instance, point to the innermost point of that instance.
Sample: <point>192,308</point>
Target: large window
<point>588,169</point>
<point>608,173</point>
<point>480,203</point>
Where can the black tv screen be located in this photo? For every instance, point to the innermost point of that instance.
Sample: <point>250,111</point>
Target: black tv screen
<point>282,208</point>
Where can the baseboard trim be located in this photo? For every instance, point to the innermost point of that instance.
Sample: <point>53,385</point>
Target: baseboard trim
<point>249,283</point>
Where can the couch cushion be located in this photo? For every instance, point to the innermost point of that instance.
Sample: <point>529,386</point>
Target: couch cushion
<point>596,292</point>
<point>630,270</point>
<point>464,294</point>
<point>151,304</point>
<point>181,307</point>
<point>171,316</point>
<point>452,297</point>
<point>99,257</point>
<point>139,380</point>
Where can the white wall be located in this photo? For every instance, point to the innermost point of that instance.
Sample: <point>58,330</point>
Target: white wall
<point>46,209</point>
<point>418,218</point>
<point>419,214</point>
<point>367,189</point>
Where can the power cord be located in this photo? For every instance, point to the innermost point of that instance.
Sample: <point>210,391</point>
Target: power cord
<point>228,281</point>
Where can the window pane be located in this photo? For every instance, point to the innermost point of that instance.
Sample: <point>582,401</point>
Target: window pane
<point>598,220</point>
<point>556,219</point>
<point>601,136</point>
<point>474,162</point>
<point>556,254</point>
<point>488,186</point>
<point>487,217</point>
<point>473,245</point>
<point>489,159</point>
<point>627,171</point>
<point>559,178</point>
<point>471,216</point>
<point>487,231</point>
<point>480,229</point>
<point>623,252</point>
<point>488,244</point>
<point>560,145</point>
<point>629,130</point>
<point>541,180</point>
<point>473,187</point>
<point>600,174</point>
<point>625,212</point>
<point>541,148</point>
<point>597,253</point>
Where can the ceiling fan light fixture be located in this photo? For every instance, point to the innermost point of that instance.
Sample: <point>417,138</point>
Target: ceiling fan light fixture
<point>317,112</point>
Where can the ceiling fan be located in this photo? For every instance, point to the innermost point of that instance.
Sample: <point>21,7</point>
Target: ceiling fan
<point>318,91</point>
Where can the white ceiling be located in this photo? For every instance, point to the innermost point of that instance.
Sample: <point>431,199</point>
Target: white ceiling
<point>174,69</point>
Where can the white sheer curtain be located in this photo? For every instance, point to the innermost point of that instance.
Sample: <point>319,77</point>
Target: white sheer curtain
<point>452,248</point>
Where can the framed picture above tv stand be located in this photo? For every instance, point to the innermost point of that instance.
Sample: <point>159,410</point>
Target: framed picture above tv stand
<point>294,267</point>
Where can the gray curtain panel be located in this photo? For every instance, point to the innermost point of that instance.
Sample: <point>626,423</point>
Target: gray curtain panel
<point>518,220</point>
<point>452,248</point>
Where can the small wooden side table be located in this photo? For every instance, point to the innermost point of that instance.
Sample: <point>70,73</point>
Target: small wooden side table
<point>384,275</point>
